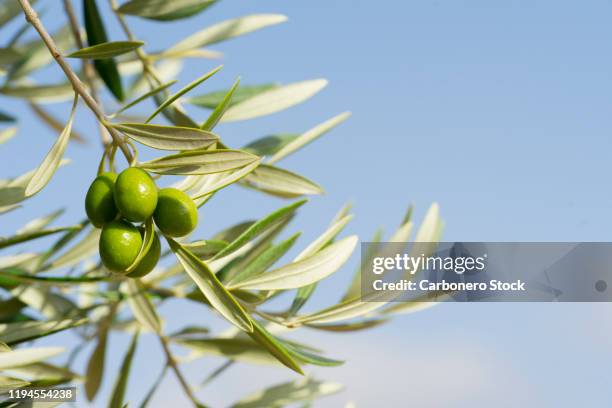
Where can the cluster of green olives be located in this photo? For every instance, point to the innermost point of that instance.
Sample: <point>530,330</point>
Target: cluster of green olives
<point>114,202</point>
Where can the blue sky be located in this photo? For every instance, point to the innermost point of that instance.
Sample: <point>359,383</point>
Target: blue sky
<point>499,111</point>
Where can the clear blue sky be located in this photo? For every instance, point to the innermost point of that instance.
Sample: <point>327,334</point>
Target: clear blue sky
<point>500,111</point>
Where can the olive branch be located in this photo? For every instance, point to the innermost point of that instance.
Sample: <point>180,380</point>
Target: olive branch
<point>236,274</point>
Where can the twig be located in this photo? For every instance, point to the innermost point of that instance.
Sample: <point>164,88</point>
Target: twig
<point>32,18</point>
<point>87,67</point>
<point>172,363</point>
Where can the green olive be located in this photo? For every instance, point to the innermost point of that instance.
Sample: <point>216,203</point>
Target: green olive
<point>119,245</point>
<point>100,202</point>
<point>149,261</point>
<point>135,194</point>
<point>176,214</point>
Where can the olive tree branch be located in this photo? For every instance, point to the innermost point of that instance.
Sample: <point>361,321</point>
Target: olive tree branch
<point>87,67</point>
<point>171,362</point>
<point>32,18</point>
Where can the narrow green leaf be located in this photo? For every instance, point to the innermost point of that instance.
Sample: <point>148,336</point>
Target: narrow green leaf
<point>15,333</point>
<point>9,56</point>
<point>199,162</point>
<point>39,223</point>
<point>309,136</point>
<point>268,145</point>
<point>227,29</point>
<point>274,346</point>
<point>147,240</point>
<point>96,34</point>
<point>217,181</point>
<point>264,261</point>
<point>35,54</point>
<point>10,9</point>
<point>50,164</point>
<point>80,251</point>
<point>124,373</point>
<point>39,93</point>
<point>141,305</point>
<point>274,100</point>
<point>304,272</point>
<point>163,10</point>
<point>213,99</point>
<point>45,372</point>
<point>280,182</point>
<point>168,137</point>
<point>28,236</point>
<point>106,50</point>
<point>213,290</point>
<point>145,96</point>
<point>348,327</point>
<point>22,357</point>
<point>205,249</point>
<point>7,134</point>
<point>288,394</point>
<point>182,92</point>
<point>9,383</point>
<point>95,366</point>
<point>240,349</point>
<point>217,114</point>
<point>260,227</point>
<point>309,357</point>
<point>345,310</point>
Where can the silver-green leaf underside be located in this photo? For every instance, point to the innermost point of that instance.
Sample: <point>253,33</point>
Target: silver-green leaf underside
<point>200,162</point>
<point>22,357</point>
<point>280,182</point>
<point>168,137</point>
<point>164,10</point>
<point>274,100</point>
<point>304,272</point>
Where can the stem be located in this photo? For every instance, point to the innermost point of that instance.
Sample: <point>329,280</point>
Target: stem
<point>32,18</point>
<point>87,67</point>
<point>172,363</point>
<point>147,67</point>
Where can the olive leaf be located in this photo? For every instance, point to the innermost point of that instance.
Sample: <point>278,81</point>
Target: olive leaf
<point>220,109</point>
<point>308,136</point>
<point>19,332</point>
<point>168,137</point>
<point>306,356</point>
<point>96,34</point>
<point>266,259</point>
<point>106,50</point>
<point>28,236</point>
<point>22,357</point>
<point>260,227</point>
<point>39,93</point>
<point>7,134</point>
<point>304,293</point>
<point>305,271</point>
<point>213,99</point>
<point>163,10</point>
<point>227,29</point>
<point>52,161</point>
<point>289,393</point>
<point>281,182</point>
<point>274,100</point>
<point>83,249</point>
<point>268,145</point>
<point>144,96</point>
<point>5,117</point>
<point>39,223</point>
<point>212,289</point>
<point>141,305</point>
<point>274,346</point>
<point>211,183</point>
<point>199,162</point>
<point>171,99</point>
<point>95,367</point>
<point>240,349</point>
<point>10,9</point>
<point>35,55</point>
<point>124,373</point>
